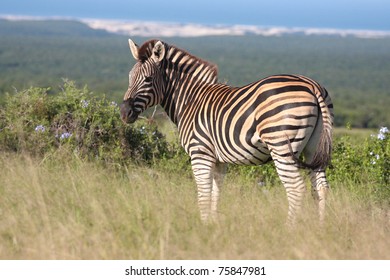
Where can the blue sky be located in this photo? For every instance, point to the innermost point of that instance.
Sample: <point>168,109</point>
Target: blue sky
<point>344,14</point>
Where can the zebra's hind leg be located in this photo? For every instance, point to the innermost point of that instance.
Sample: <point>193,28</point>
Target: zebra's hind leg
<point>320,188</point>
<point>294,184</point>
<point>219,174</point>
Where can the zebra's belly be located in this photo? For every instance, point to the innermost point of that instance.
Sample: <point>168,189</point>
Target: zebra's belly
<point>247,155</point>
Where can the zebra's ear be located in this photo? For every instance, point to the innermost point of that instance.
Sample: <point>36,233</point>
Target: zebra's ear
<point>133,49</point>
<point>158,51</point>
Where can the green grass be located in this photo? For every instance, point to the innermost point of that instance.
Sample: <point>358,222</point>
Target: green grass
<point>64,208</point>
<point>358,135</point>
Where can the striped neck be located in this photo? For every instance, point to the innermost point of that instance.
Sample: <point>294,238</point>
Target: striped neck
<point>185,76</point>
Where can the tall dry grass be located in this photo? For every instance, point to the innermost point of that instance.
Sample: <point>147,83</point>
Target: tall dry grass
<point>69,209</point>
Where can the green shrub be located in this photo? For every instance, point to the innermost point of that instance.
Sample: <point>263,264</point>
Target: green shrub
<point>34,122</point>
<point>76,122</point>
<point>365,163</point>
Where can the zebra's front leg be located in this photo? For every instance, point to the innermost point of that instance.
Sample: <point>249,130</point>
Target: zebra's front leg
<point>203,173</point>
<point>219,174</point>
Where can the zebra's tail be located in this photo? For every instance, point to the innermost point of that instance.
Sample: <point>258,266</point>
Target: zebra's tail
<point>323,153</point>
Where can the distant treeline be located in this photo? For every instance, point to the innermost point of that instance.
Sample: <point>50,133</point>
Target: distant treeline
<point>355,71</point>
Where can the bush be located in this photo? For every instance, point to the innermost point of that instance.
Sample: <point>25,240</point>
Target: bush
<point>34,122</point>
<point>367,163</point>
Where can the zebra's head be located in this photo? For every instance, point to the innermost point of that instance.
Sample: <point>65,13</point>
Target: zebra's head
<point>146,80</point>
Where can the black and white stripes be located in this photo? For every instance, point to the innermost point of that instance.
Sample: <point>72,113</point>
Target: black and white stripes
<point>283,118</point>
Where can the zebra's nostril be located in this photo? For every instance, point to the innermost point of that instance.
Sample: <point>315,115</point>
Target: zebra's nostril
<point>128,113</point>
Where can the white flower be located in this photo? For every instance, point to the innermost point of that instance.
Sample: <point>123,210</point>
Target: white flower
<point>84,103</point>
<point>383,130</point>
<point>65,135</point>
<point>382,133</point>
<point>40,128</point>
<point>381,136</point>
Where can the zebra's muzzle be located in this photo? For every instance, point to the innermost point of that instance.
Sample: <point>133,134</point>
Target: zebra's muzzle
<point>128,112</point>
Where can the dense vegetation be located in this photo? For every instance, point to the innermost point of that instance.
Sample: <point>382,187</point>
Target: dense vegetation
<point>355,71</point>
<point>76,122</point>
<point>76,183</point>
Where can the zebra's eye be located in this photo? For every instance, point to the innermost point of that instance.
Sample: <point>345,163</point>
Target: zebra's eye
<point>148,79</point>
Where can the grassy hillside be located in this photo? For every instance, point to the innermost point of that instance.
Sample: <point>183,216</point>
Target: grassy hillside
<point>355,71</point>
<point>43,53</point>
<point>72,209</point>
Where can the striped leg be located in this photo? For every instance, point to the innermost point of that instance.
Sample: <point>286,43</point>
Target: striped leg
<point>203,173</point>
<point>319,190</point>
<point>294,183</point>
<point>219,174</point>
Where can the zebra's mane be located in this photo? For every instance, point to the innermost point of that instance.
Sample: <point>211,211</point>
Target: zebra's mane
<point>145,51</point>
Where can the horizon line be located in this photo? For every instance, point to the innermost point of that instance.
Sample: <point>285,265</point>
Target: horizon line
<point>113,26</point>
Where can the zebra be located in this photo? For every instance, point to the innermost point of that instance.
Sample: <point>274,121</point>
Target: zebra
<point>277,118</point>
